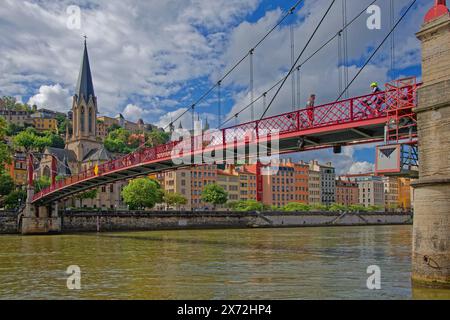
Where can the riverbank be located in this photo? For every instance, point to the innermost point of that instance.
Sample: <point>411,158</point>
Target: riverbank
<point>147,221</point>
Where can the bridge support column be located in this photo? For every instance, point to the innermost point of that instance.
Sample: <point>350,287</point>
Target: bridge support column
<point>431,238</point>
<point>37,219</point>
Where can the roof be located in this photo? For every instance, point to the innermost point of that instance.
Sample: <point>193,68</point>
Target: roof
<point>100,154</point>
<point>85,86</point>
<point>438,10</point>
<point>62,154</point>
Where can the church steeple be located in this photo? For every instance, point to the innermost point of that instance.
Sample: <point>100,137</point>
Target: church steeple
<point>85,86</point>
<point>84,137</point>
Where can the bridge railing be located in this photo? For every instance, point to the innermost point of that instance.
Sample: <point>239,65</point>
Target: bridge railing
<point>371,106</point>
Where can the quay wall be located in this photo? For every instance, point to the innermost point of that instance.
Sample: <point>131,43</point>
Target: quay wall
<point>142,221</point>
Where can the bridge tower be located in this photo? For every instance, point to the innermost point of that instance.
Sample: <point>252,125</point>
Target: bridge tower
<point>431,239</point>
<point>37,219</point>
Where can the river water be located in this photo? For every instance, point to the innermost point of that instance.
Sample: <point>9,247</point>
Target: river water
<point>304,263</point>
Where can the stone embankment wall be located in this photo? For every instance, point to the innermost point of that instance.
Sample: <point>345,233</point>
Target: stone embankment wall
<point>141,221</point>
<point>8,222</point>
<point>104,222</point>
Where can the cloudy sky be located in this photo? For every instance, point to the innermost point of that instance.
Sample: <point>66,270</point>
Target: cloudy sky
<point>151,59</point>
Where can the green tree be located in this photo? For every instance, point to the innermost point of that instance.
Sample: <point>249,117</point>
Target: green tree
<point>174,200</point>
<point>358,208</point>
<point>142,193</point>
<point>55,140</point>
<point>317,207</point>
<point>6,185</point>
<point>13,129</point>
<point>249,205</point>
<point>5,152</point>
<point>41,183</point>
<point>375,209</point>
<point>119,141</point>
<point>335,207</point>
<point>114,127</point>
<point>63,122</point>
<point>91,194</point>
<point>232,205</point>
<point>215,195</point>
<point>156,138</point>
<point>29,140</point>
<point>14,199</point>
<point>296,207</point>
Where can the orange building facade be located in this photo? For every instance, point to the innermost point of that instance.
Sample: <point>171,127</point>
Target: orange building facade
<point>347,192</point>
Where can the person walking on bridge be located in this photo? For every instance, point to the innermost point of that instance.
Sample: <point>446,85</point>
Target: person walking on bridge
<point>375,87</point>
<point>378,100</point>
<point>310,108</point>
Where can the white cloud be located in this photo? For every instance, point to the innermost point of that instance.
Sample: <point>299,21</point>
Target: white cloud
<point>361,167</point>
<point>54,97</point>
<point>134,113</point>
<point>139,50</point>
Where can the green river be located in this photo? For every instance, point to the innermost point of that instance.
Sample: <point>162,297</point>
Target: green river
<point>304,263</point>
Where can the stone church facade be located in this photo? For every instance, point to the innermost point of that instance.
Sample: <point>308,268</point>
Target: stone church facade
<point>84,148</point>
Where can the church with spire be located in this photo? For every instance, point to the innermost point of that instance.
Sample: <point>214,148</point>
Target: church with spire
<point>83,139</point>
<point>84,148</point>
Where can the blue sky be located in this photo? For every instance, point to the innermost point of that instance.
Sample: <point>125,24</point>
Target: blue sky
<point>151,59</point>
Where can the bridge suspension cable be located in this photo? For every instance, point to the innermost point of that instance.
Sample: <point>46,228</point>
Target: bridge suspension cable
<point>325,44</point>
<point>298,58</point>
<point>377,49</point>
<point>392,16</point>
<point>345,46</point>
<point>292,33</point>
<point>208,92</point>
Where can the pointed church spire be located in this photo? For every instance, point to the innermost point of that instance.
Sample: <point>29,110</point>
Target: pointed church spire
<point>85,86</point>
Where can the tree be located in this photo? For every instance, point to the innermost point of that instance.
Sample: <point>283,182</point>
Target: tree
<point>335,207</point>
<point>5,152</point>
<point>215,195</point>
<point>296,207</point>
<point>142,193</point>
<point>358,208</point>
<point>12,104</point>
<point>15,199</point>
<point>29,140</point>
<point>174,200</point>
<point>119,141</point>
<point>375,209</point>
<point>112,128</point>
<point>156,137</point>
<point>41,183</point>
<point>55,140</point>
<point>63,123</point>
<point>249,205</point>
<point>317,207</point>
<point>91,194</point>
<point>6,185</point>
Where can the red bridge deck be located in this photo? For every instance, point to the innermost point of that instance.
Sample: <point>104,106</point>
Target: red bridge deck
<point>353,121</point>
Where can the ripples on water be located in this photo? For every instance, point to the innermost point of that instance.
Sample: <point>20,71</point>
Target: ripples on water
<point>306,263</point>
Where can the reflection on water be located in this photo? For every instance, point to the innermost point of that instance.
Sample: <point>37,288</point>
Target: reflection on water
<point>306,263</point>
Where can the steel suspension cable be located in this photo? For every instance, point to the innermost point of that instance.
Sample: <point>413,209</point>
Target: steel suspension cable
<point>345,45</point>
<point>377,49</point>
<point>298,58</point>
<point>251,84</point>
<point>292,62</point>
<point>325,44</point>
<point>208,92</point>
<point>392,14</point>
